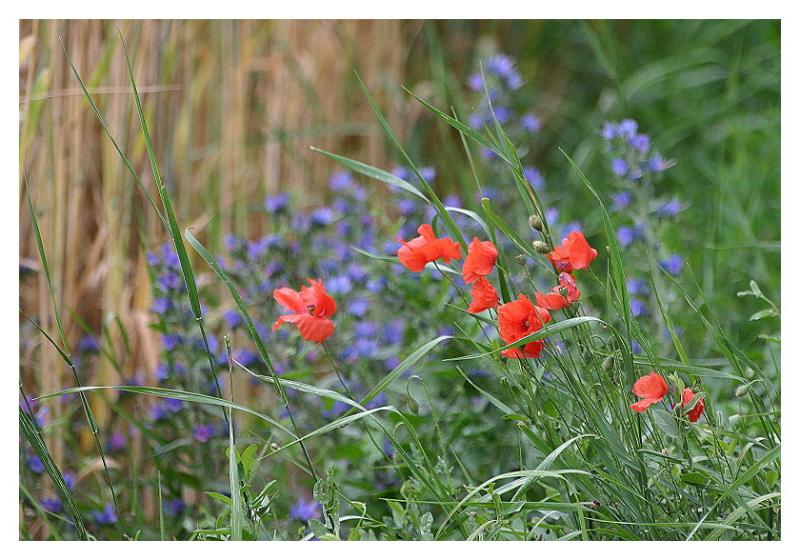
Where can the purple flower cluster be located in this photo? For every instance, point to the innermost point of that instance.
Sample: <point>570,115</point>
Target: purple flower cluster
<point>635,163</point>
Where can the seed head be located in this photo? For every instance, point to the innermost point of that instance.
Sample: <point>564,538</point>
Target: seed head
<point>541,247</point>
<point>535,222</point>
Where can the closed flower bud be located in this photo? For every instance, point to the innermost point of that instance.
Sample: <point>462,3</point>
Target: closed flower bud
<point>608,363</point>
<point>541,247</point>
<point>742,390</point>
<point>520,259</point>
<point>535,222</point>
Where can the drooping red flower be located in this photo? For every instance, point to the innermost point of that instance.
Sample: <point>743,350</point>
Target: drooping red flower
<point>480,260</point>
<point>565,293</point>
<point>651,388</point>
<point>310,307</point>
<point>484,296</point>
<point>574,253</point>
<point>415,254</point>
<point>518,319</point>
<point>697,410</point>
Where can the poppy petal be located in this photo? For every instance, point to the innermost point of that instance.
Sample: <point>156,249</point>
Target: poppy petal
<point>481,258</point>
<point>697,410</point>
<point>484,296</point>
<point>650,386</point>
<point>290,299</point>
<point>644,404</point>
<point>313,329</point>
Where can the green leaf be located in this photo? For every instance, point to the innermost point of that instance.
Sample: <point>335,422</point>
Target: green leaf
<point>665,422</point>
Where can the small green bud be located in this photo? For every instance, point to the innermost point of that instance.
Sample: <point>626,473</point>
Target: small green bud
<point>608,364</point>
<point>541,247</point>
<point>535,222</point>
<point>742,390</point>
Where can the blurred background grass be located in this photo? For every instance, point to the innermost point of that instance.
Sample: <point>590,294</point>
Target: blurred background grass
<point>234,106</point>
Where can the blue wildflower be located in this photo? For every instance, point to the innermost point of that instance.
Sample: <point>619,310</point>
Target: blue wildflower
<point>69,479</point>
<point>502,114</point>
<point>233,319</point>
<point>246,357</point>
<point>365,329</point>
<point>117,442</point>
<point>174,507</point>
<point>105,517</point>
<point>669,208</point>
<point>358,307</point>
<point>340,181</point>
<point>277,203</point>
<point>637,286</point>
<point>161,305</point>
<point>170,341</point>
<point>657,163</point>
<point>51,504</point>
<point>338,285</point>
<point>376,285</point>
<point>378,401</point>
<point>621,200</point>
<point>35,464</point>
<point>321,217</point>
<point>357,273</point>
<point>609,130</point>
<point>157,413</point>
<point>394,331</point>
<point>173,405</point>
<point>534,177</point>
<point>619,166</point>
<point>428,174</point>
<point>304,510</point>
<point>626,235</point>
<point>203,432</point>
<point>89,345</point>
<point>640,143</point>
<point>530,122</point>
<point>627,128</point>
<point>638,308</point>
<point>231,242</point>
<point>475,81</point>
<point>672,264</point>
<point>391,362</point>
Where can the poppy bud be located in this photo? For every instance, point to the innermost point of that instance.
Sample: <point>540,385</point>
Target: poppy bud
<point>742,390</point>
<point>608,363</point>
<point>541,247</point>
<point>520,259</point>
<point>535,222</point>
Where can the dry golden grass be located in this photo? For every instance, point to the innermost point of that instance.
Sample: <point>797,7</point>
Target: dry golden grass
<point>233,108</point>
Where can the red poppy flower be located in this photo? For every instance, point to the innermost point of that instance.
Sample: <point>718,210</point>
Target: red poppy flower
<point>519,319</point>
<point>565,293</point>
<point>310,306</point>
<point>415,254</point>
<point>697,411</point>
<point>574,253</point>
<point>484,296</point>
<point>651,388</point>
<point>480,260</point>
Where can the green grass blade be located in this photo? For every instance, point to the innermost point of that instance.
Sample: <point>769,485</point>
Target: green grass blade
<point>32,434</point>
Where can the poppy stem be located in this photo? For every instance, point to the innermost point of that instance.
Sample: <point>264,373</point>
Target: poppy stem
<point>351,396</point>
